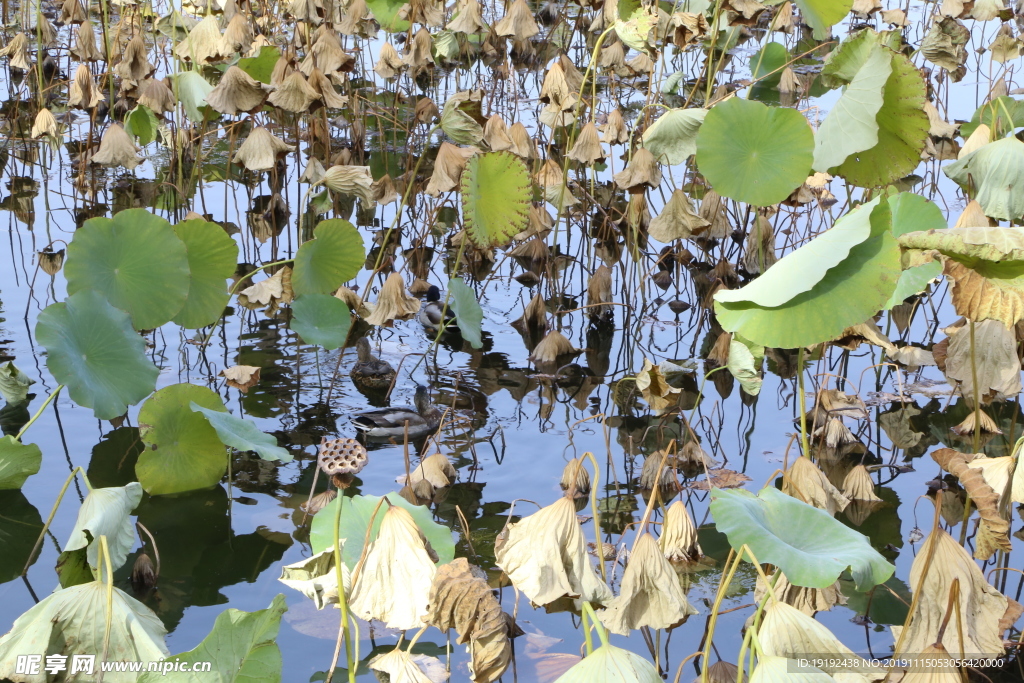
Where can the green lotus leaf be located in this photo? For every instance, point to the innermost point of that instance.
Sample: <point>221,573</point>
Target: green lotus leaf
<point>18,462</point>
<point>850,126</point>
<point>995,173</point>
<point>849,293</point>
<point>355,518</point>
<point>911,213</point>
<point>134,260</point>
<point>496,194</point>
<point>459,125</point>
<point>106,512</point>
<point>610,664</point>
<point>633,23</point>
<point>243,435</point>
<point>745,361</point>
<point>93,350</point>
<point>262,65</point>
<point>820,15</point>
<point>321,319</point>
<point>810,547</point>
<point>242,647</point>
<point>142,124</point>
<point>22,526</point>
<point>467,311</point>
<point>388,15</point>
<point>1003,115</point>
<point>902,130</point>
<point>73,621</point>
<point>771,58</point>
<point>333,257</point>
<point>183,451</point>
<point>14,383</point>
<point>843,63</point>
<point>212,258</point>
<point>673,137</point>
<point>970,245</point>
<point>191,89</point>
<point>754,153</point>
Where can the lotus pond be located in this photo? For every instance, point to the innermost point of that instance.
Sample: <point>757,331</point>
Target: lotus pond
<point>716,307</point>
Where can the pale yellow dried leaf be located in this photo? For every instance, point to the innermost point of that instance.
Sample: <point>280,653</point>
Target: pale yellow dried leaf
<point>393,303</point>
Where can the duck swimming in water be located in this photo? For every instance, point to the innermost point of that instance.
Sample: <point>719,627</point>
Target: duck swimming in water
<point>369,371</point>
<point>434,313</point>
<point>422,419</point>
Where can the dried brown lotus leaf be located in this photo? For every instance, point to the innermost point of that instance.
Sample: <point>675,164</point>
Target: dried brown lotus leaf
<point>357,16</point>
<point>393,303</point>
<point>17,52</point>
<point>385,192</point>
<point>677,220</point>
<point>468,17</point>
<point>640,64</point>
<point>282,69</point>
<point>523,144</point>
<point>999,474</point>
<point>155,94</point>
<point>134,65</point>
<point>51,261</point>
<point>393,580</point>
<point>351,299</point>
<point>552,347</point>
<point>650,594</point>
<point>84,92</point>
<point>294,94</point>
<point>242,377</point>
<point>982,608</point>
<point>655,389</point>
<point>805,481</point>
<point>326,54</point>
<point>994,359</point>
<point>313,173</point>
<point>389,62</point>
<point>759,248</point>
<point>994,530</point>
<point>987,426</point>
<point>973,216</point>
<point>858,485</point>
<point>807,600</point>
<point>678,539</point>
<point>867,331</point>
<point>981,136</point>
<point>85,49</point>
<point>203,44</point>
<point>270,290</point>
<point>236,93</point>
<point>45,124</point>
<point>400,666</point>
<point>496,134</point>
<point>419,54</point>
<point>426,111</point>
<point>936,666</point>
<point>787,632</point>
<point>834,432</point>
<point>437,470</point>
<point>448,167</point>
<point>712,209</point>
<point>599,292</point>
<point>641,171</point>
<point>722,672</point>
<point>341,456</point>
<point>260,150</point>
<point>656,474</point>
<point>72,12</point>
<point>323,87</point>
<point>534,320</point>
<point>117,149</point>
<point>352,180</point>
<point>518,22</point>
<point>545,556</point>
<point>575,478</point>
<point>587,149</point>
<point>614,131</point>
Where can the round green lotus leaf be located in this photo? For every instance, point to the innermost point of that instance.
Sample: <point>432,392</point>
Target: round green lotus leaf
<point>754,153</point>
<point>902,130</point>
<point>212,257</point>
<point>93,350</point>
<point>133,259</point>
<point>333,257</point>
<point>810,546</point>
<point>496,194</point>
<point>183,452</point>
<point>321,319</point>
<point>355,518</point>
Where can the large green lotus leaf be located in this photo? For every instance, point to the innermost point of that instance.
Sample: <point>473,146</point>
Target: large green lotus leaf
<point>22,526</point>
<point>212,258</point>
<point>850,126</point>
<point>911,213</point>
<point>191,89</point>
<point>842,64</point>
<point>496,194</point>
<point>133,259</point>
<point>14,383</point>
<point>243,435</point>
<point>673,137</point>
<point>820,15</point>
<point>996,174</point>
<point>1003,115</point>
<point>754,153</point>
<point>106,512</point>
<point>261,67</point>
<point>852,291</point>
<point>902,130</point>
<point>355,518</point>
<point>810,547</point>
<point>18,462</point>
<point>321,319</point>
<point>242,647</point>
<point>93,350</point>
<point>388,15</point>
<point>333,257</point>
<point>800,270</point>
<point>183,451</point>
<point>610,664</point>
<point>467,311</point>
<point>73,621</point>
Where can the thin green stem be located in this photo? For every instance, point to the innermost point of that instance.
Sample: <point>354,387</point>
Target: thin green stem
<point>53,513</point>
<point>803,403</point>
<point>39,412</point>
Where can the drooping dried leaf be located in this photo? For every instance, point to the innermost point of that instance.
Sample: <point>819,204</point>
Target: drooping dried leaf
<point>658,393</point>
<point>242,377</point>
<point>393,303</point>
<point>993,532</point>
<point>994,360</point>
<point>678,539</point>
<point>805,481</point>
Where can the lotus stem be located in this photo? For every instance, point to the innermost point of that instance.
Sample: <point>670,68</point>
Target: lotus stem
<point>733,565</point>
<point>39,412</point>
<point>601,633</point>
<point>804,444</point>
<point>588,639</point>
<point>343,632</point>
<point>53,513</point>
<point>105,552</point>
<point>597,515</point>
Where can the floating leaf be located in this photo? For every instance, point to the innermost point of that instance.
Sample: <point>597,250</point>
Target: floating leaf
<point>754,153</point>
<point>672,139</point>
<point>18,462</point>
<point>332,258</point>
<point>496,193</point>
<point>355,519</point>
<point>321,319</point>
<point>134,260</point>
<point>183,451</point>
<point>212,257</point>
<point>242,646</point>
<point>806,543</point>
<point>93,350</point>
<point>14,383</point>
<point>243,435</point>
<point>467,311</point>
